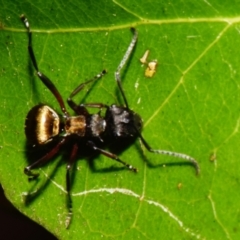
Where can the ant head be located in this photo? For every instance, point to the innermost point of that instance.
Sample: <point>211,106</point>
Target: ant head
<point>123,122</point>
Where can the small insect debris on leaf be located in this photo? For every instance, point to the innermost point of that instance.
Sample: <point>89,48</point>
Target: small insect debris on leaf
<point>151,69</point>
<point>143,59</point>
<point>151,65</point>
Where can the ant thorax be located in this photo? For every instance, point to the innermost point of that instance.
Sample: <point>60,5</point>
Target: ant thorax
<point>75,125</point>
<point>87,125</point>
<point>97,125</point>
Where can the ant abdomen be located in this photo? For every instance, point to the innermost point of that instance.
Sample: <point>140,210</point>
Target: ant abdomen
<point>41,125</point>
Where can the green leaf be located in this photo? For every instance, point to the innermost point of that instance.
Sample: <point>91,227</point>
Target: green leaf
<point>190,105</point>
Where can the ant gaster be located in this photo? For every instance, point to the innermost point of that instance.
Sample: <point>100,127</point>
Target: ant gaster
<point>43,124</point>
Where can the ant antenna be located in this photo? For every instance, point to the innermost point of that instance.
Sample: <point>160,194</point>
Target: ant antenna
<point>174,154</point>
<point>122,63</point>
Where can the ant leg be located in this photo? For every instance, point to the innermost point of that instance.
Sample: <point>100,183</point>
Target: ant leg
<point>82,85</point>
<point>81,109</point>
<point>111,155</point>
<point>43,160</point>
<point>94,105</point>
<point>122,63</point>
<point>174,154</point>
<point>68,184</point>
<point>46,81</point>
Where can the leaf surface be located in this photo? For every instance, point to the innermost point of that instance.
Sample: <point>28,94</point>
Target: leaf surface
<point>190,105</point>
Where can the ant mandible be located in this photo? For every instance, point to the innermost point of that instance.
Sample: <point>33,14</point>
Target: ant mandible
<point>43,124</point>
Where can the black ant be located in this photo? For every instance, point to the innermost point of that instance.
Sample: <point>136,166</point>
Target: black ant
<point>44,125</point>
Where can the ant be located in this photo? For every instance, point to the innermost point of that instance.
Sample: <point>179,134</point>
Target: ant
<point>43,124</point>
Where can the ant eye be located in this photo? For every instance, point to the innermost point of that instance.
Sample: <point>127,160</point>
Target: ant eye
<point>137,122</point>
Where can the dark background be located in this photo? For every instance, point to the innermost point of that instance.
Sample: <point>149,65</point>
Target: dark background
<point>14,225</point>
